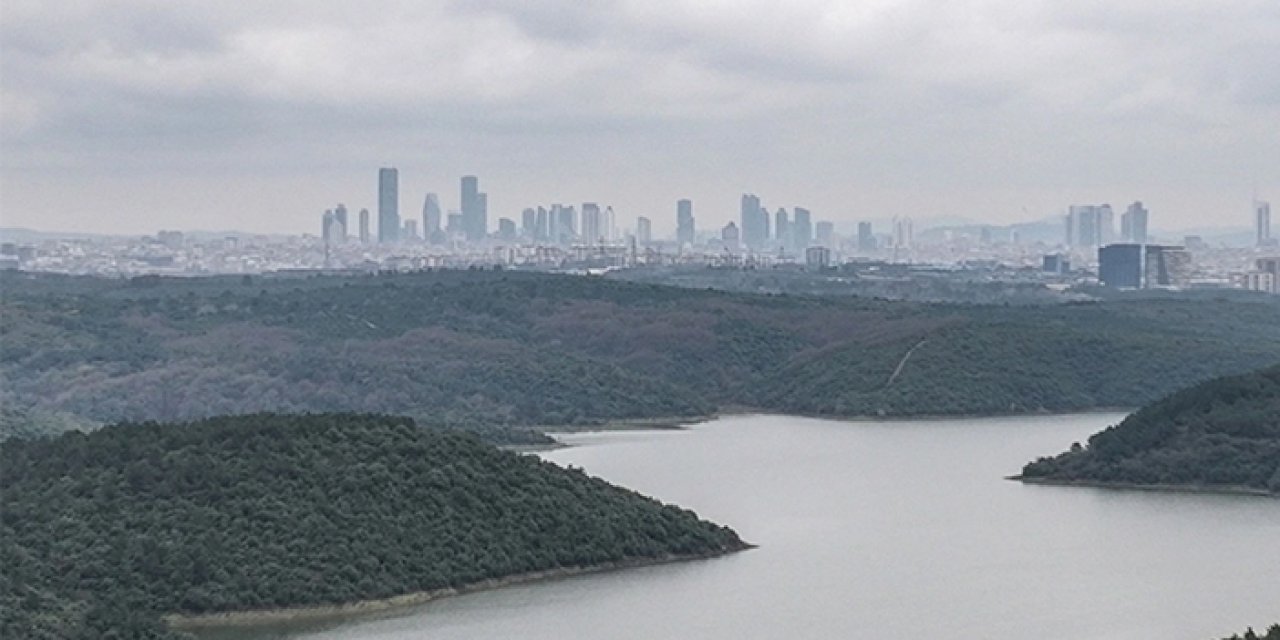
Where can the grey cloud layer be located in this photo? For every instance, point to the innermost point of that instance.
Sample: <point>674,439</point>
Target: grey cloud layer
<point>979,92</point>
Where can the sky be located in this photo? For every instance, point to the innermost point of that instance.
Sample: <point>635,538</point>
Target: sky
<point>131,116</point>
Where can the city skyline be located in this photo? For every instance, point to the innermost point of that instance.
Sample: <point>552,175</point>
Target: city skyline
<point>997,112</point>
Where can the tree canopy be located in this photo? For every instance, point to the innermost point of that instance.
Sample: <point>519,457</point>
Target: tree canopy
<point>502,353</point>
<point>1222,433</point>
<point>106,531</point>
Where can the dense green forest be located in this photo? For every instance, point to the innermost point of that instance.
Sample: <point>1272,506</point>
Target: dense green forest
<point>1222,433</point>
<point>506,352</point>
<point>105,531</point>
<point>1272,634</point>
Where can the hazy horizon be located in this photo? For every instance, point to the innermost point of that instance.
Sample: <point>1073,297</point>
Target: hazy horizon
<point>127,117</point>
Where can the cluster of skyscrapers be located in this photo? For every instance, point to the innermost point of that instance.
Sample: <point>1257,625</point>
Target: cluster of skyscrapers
<point>561,224</point>
<point>1094,225</point>
<point>792,232</point>
<point>471,222</point>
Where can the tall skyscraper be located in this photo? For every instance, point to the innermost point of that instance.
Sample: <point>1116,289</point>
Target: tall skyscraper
<point>542,225</point>
<point>327,226</point>
<point>609,225</point>
<point>529,223</point>
<point>410,231</point>
<point>1106,225</point>
<point>781,228</point>
<point>1262,222</point>
<point>826,234</point>
<point>364,226</point>
<point>340,218</point>
<point>554,217</point>
<point>1090,226</point>
<point>754,222</point>
<point>566,225</point>
<point>684,222</point>
<point>474,218</point>
<point>644,230</point>
<point>432,217</point>
<point>801,229</point>
<point>866,239</point>
<point>1133,224</point>
<point>388,205</point>
<point>591,230</point>
<point>903,233</point>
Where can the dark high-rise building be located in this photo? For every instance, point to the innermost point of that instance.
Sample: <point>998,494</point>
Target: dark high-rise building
<point>388,205</point>
<point>591,229</point>
<point>1133,224</point>
<point>1262,222</point>
<point>432,217</point>
<point>754,222</point>
<point>644,230</point>
<point>866,239</point>
<point>1135,266</point>
<point>684,222</point>
<point>1120,266</point>
<point>474,217</point>
<point>364,226</point>
<point>801,230</point>
<point>1056,263</point>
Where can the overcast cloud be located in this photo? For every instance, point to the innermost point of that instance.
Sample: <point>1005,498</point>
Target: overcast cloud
<point>137,115</point>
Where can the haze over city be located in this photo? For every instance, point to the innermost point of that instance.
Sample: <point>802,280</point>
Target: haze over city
<point>126,117</point>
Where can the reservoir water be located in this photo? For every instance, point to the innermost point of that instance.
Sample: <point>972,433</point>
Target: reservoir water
<point>886,530</point>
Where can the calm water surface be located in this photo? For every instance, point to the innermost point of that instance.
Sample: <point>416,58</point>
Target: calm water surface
<point>888,530</point>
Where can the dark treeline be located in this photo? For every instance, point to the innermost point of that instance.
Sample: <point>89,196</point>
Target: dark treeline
<point>1221,433</point>
<point>106,531</point>
<point>505,352</point>
<point>1271,634</point>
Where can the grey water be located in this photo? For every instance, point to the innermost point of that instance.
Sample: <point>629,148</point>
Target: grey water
<point>894,529</point>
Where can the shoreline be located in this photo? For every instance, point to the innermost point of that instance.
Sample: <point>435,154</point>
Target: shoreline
<point>1232,490</point>
<point>350,610</point>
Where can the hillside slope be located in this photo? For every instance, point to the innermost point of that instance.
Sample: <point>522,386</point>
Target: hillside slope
<point>504,352</point>
<point>108,530</point>
<point>1224,434</point>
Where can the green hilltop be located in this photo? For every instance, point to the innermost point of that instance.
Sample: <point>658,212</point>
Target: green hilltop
<point>108,531</point>
<point>1221,434</point>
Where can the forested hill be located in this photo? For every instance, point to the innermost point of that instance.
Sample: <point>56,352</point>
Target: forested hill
<point>496,350</point>
<point>1220,434</point>
<point>107,531</point>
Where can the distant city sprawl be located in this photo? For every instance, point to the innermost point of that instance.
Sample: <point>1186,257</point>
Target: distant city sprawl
<point>1081,247</point>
